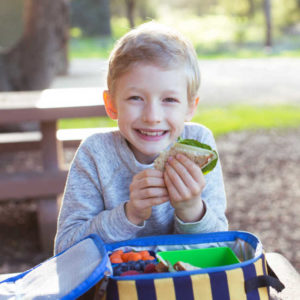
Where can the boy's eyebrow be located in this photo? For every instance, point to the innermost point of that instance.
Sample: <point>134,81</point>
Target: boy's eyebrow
<point>138,89</point>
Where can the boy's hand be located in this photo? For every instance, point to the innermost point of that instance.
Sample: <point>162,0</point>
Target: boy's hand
<point>185,183</point>
<point>146,190</point>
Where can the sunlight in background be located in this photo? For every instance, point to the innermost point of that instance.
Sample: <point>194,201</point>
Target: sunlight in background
<point>221,31</point>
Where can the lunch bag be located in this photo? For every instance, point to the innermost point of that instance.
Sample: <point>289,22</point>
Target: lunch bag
<point>86,267</point>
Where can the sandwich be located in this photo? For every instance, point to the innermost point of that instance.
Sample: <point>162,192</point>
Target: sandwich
<point>202,154</point>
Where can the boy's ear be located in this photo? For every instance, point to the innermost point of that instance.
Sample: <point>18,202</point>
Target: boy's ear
<point>109,105</point>
<point>191,110</point>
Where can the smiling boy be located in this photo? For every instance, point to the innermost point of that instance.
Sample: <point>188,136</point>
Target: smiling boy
<point>112,188</point>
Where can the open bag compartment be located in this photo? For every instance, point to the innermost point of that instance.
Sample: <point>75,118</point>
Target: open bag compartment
<point>73,272</point>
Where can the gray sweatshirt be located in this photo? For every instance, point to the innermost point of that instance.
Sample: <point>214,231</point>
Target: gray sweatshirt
<point>98,187</point>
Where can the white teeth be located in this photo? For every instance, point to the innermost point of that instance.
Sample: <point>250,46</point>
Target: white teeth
<point>152,133</point>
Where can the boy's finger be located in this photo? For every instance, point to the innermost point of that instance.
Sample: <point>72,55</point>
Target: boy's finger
<point>174,175</point>
<point>181,170</point>
<point>193,169</point>
<point>173,192</point>
<point>158,200</point>
<point>153,193</point>
<point>151,182</point>
<point>184,182</point>
<point>149,173</point>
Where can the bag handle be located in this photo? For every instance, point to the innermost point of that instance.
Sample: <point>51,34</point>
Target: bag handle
<point>264,281</point>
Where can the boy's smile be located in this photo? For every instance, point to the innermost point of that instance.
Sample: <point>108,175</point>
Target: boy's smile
<point>152,106</point>
<point>151,135</point>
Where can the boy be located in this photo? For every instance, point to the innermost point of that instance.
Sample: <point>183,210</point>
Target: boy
<point>112,188</point>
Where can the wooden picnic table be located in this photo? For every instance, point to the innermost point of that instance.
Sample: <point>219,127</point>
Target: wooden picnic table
<point>46,108</point>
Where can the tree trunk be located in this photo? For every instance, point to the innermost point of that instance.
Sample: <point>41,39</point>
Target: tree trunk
<point>251,8</point>
<point>268,18</point>
<point>42,51</point>
<point>130,6</point>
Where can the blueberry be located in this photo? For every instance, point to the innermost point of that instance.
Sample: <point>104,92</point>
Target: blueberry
<point>117,270</point>
<point>131,268</point>
<point>139,266</point>
<point>124,267</point>
<point>142,264</point>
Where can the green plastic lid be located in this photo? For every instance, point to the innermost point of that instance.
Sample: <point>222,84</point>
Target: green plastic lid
<point>203,258</point>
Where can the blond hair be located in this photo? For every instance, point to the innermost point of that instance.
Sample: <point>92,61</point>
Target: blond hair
<point>155,44</point>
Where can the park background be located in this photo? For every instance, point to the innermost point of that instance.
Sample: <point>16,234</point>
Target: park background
<point>249,55</point>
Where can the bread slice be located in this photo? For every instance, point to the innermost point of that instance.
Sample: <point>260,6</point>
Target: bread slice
<point>201,154</point>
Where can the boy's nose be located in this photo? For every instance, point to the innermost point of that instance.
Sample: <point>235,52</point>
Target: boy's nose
<point>152,113</point>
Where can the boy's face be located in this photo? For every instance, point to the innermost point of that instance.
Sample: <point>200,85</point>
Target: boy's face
<point>152,106</point>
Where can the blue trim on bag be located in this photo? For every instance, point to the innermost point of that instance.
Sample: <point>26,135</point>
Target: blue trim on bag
<point>96,274</point>
<point>181,239</point>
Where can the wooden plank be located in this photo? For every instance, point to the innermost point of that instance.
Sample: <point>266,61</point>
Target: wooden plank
<point>28,141</point>
<point>8,116</point>
<point>51,104</point>
<point>20,141</point>
<point>51,98</point>
<point>32,184</point>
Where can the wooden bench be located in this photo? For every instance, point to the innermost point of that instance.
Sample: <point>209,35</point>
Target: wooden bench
<point>45,107</point>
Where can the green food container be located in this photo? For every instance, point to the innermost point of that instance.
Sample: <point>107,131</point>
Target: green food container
<point>203,258</point>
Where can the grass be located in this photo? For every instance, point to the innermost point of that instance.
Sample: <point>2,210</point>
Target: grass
<point>245,117</point>
<point>220,120</point>
<point>101,47</point>
<point>90,47</point>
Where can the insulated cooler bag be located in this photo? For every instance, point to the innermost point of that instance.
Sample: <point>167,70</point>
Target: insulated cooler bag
<point>86,265</point>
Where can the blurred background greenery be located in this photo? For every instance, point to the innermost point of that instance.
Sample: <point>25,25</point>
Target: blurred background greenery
<point>217,28</point>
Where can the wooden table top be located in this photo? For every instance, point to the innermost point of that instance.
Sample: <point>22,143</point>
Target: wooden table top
<point>51,104</point>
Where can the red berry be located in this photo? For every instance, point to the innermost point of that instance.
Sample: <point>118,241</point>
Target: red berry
<point>150,268</point>
<point>130,272</point>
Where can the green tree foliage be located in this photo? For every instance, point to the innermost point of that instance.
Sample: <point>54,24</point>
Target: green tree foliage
<point>239,8</point>
<point>91,16</point>
<point>286,12</point>
<point>197,7</point>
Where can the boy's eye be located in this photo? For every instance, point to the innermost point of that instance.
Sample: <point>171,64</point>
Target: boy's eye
<point>135,98</point>
<point>170,100</point>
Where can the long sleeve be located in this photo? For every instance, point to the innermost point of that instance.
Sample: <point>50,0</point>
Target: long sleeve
<point>84,210</point>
